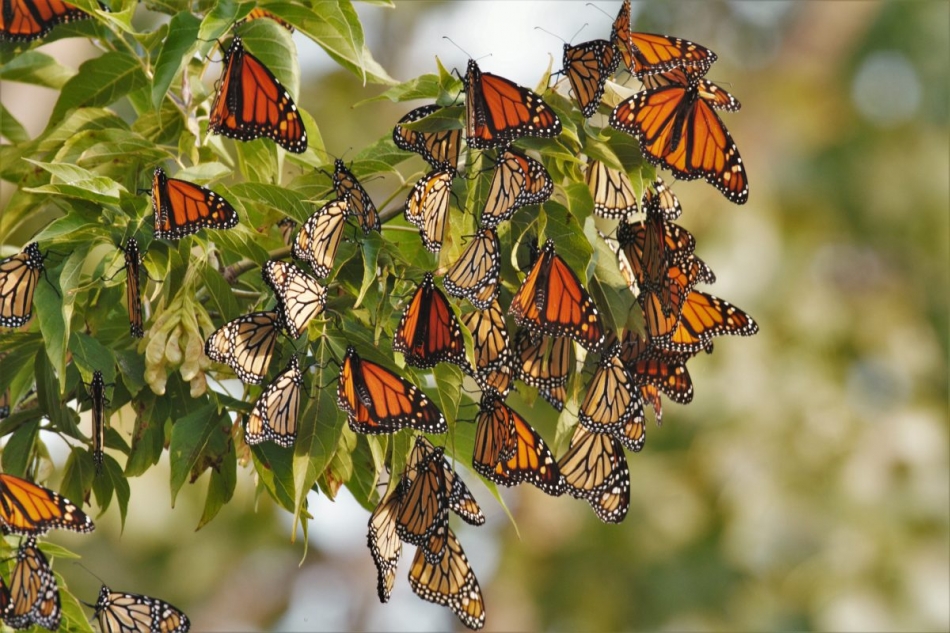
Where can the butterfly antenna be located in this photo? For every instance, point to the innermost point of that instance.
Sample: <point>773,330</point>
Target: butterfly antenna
<point>446,37</point>
<point>541,28</point>
<point>591,4</point>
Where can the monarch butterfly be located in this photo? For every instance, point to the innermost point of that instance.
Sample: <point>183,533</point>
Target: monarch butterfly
<point>678,129</point>
<point>704,316</point>
<point>32,510</point>
<point>645,53</point>
<point>288,226</point>
<point>439,149</point>
<point>431,489</point>
<point>518,180</point>
<point>246,344</point>
<point>98,397</point>
<point>252,103</point>
<point>493,358</point>
<point>257,13</point>
<point>378,401</point>
<point>300,296</point>
<point>182,208</point>
<point>498,111</point>
<point>121,612</point>
<point>654,370</point>
<point>611,190</point>
<point>662,199</point>
<point>662,299</point>
<point>544,362</point>
<point>712,93</point>
<point>19,275</point>
<point>475,274</point>
<point>23,20</point>
<point>274,417</point>
<point>587,67</point>
<point>349,189</point>
<point>428,332</point>
<point>427,207</point>
<point>509,451</point>
<point>318,239</point>
<point>34,594</point>
<point>552,301</point>
<point>384,544</point>
<point>612,404</point>
<point>133,295</point>
<point>595,469</point>
<point>450,582</point>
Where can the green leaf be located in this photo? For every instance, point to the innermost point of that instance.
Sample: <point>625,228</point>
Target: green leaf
<point>190,436</point>
<point>18,451</point>
<point>36,68</point>
<point>10,128</point>
<point>175,52</point>
<point>220,486</point>
<point>100,82</point>
<point>90,355</point>
<point>148,436</point>
<point>78,183</point>
<point>275,470</point>
<point>220,292</point>
<point>281,199</point>
<point>77,475</point>
<point>74,618</point>
<point>55,331</point>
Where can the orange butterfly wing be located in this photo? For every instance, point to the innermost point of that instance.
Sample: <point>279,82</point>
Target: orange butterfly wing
<point>703,317</point>
<point>429,332</point>
<point>23,20</point>
<point>32,510</point>
<point>588,66</point>
<point>252,103</point>
<point>182,208</point>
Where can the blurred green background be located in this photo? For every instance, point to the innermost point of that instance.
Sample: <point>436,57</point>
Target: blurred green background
<point>807,485</point>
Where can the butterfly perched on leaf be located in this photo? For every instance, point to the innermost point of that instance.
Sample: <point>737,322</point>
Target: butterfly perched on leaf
<point>376,400</point>
<point>509,451</point>
<point>654,371</point>
<point>19,275</point>
<point>123,612</point>
<point>251,103</point>
<point>449,582</point>
<point>32,510</point>
<point>274,416</point>
<point>182,208</point>
<point>319,238</point>
<point>595,469</point>
<point>611,190</point>
<point>704,316</point>
<point>427,207</point>
<point>588,66</point>
<point>499,111</point>
<point>133,294</point>
<point>24,20</point>
<point>647,53</point>
<point>358,202</point>
<point>552,301</point>
<point>493,355</point>
<point>475,274</point>
<point>300,296</point>
<point>612,404</point>
<point>661,199</point>
<point>34,593</point>
<point>246,344</point>
<point>517,180</point>
<point>439,149</point>
<point>543,362</point>
<point>429,332</point>
<point>384,544</point>
<point>98,397</point>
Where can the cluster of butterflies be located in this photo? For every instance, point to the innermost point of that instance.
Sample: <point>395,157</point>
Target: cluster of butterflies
<point>32,595</point>
<point>677,128</point>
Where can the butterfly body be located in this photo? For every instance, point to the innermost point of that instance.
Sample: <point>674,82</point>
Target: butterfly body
<point>358,202</point>
<point>133,294</point>
<point>429,332</point>
<point>34,593</point>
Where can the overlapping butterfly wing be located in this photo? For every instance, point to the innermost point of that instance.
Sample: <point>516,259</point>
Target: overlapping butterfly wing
<point>32,510</point>
<point>274,416</point>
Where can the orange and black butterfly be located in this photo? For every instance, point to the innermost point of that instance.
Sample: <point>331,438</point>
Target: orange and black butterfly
<point>133,295</point>
<point>612,404</point>
<point>182,208</point>
<point>552,301</point>
<point>19,275</point>
<point>662,200</point>
<point>319,238</point>
<point>544,362</point>
<point>383,542</point>
<point>611,190</point>
<point>439,149</point>
<point>32,510</point>
<point>499,111</point>
<point>258,13</point>
<point>493,357</point>
<point>34,593</point>
<point>274,416</point>
<point>662,297</point>
<point>429,332</point>
<point>97,394</point>
<point>475,274</point>
<point>378,401</point>
<point>587,67</point>
<point>23,20</point>
<point>654,371</point>
<point>450,582</point>
<point>246,344</point>
<point>678,129</point>
<point>646,53</point>
<point>518,180</point>
<point>508,451</point>
<point>431,489</point>
<point>704,316</point>
<point>427,207</point>
<point>252,103</point>
<point>300,296</point>
<point>595,469</point>
<point>122,612</point>
<point>358,202</point>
